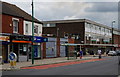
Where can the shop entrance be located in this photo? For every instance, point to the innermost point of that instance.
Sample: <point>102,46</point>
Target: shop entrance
<point>4,53</point>
<point>21,51</point>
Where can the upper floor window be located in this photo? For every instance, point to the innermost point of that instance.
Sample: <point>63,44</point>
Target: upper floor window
<point>100,28</point>
<point>49,25</point>
<point>103,29</point>
<point>36,29</point>
<point>26,28</point>
<point>15,25</point>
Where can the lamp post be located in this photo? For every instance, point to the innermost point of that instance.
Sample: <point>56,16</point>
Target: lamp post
<point>112,33</point>
<point>32,32</point>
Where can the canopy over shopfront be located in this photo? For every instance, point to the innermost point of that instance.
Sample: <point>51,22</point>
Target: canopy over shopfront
<point>88,48</point>
<point>68,44</point>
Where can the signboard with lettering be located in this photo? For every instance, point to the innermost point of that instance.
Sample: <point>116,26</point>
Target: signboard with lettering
<point>28,39</point>
<point>4,38</point>
<point>21,38</point>
<point>38,39</point>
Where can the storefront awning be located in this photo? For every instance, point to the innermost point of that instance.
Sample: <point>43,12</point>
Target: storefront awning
<point>68,44</point>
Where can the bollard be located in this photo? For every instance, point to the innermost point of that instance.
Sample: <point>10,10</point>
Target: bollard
<point>13,58</point>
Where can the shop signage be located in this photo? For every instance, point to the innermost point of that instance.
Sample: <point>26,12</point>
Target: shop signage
<point>106,40</point>
<point>21,38</point>
<point>45,39</point>
<point>38,39</point>
<point>4,38</point>
<point>93,39</point>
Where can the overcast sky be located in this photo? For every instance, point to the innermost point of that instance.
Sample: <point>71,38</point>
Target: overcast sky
<point>101,11</point>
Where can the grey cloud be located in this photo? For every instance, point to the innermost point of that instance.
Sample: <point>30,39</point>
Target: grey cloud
<point>103,13</point>
<point>103,7</point>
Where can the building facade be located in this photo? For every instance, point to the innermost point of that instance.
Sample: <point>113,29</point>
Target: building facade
<point>17,26</point>
<point>89,34</point>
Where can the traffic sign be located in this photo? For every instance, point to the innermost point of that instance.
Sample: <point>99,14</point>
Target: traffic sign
<point>12,56</point>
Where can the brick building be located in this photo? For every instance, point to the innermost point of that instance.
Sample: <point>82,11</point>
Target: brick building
<point>91,35</point>
<point>15,25</point>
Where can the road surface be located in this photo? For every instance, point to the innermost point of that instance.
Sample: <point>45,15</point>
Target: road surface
<point>106,66</point>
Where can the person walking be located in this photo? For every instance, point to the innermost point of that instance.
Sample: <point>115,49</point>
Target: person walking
<point>81,54</point>
<point>99,53</point>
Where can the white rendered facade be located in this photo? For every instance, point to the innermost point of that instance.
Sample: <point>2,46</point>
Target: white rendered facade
<point>97,32</point>
<point>28,28</point>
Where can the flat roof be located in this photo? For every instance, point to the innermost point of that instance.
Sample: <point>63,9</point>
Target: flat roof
<point>78,20</point>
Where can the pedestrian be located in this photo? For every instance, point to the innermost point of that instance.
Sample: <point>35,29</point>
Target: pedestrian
<point>81,54</point>
<point>99,53</point>
<point>107,52</point>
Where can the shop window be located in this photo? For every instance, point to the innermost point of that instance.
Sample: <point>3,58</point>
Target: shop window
<point>23,49</point>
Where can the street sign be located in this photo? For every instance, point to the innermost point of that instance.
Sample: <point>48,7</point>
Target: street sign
<point>12,56</point>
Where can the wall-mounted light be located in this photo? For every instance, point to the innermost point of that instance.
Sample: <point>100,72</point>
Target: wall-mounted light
<point>10,25</point>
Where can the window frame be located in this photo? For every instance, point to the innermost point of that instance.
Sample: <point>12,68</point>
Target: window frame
<point>35,27</point>
<point>13,20</point>
<point>26,28</point>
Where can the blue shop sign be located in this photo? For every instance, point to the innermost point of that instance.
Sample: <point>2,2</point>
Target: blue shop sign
<point>38,39</point>
<point>45,39</point>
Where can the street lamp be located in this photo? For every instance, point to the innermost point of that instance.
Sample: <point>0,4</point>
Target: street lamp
<point>112,33</point>
<point>32,32</point>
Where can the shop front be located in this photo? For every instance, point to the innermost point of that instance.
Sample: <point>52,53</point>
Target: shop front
<point>37,47</point>
<point>4,47</point>
<point>51,48</point>
<point>19,45</point>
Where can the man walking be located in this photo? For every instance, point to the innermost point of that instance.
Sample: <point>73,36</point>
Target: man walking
<point>81,54</point>
<point>99,53</point>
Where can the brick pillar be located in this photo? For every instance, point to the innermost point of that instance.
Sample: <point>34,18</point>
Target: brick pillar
<point>71,48</point>
<point>58,47</point>
<point>44,50</point>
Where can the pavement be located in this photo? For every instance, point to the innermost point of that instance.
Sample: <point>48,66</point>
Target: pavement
<point>44,62</point>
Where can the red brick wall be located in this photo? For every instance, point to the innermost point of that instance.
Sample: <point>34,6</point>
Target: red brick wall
<point>58,47</point>
<point>7,20</point>
<point>71,48</point>
<point>44,50</point>
<point>116,39</point>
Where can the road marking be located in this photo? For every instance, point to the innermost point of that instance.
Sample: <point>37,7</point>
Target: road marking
<point>61,64</point>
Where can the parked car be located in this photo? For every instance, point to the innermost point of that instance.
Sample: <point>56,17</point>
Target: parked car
<point>118,53</point>
<point>112,53</point>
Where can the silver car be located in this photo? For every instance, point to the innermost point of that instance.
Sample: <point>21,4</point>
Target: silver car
<point>112,53</point>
